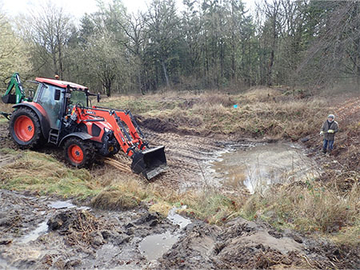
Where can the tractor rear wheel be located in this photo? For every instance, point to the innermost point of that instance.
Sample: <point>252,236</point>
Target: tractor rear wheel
<point>79,153</point>
<point>25,128</point>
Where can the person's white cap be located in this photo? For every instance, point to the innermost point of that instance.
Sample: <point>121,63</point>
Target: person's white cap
<point>331,116</point>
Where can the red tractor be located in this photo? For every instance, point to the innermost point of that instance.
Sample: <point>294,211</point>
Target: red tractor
<point>59,114</point>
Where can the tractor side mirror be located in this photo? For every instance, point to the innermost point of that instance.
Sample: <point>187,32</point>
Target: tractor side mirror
<point>57,94</point>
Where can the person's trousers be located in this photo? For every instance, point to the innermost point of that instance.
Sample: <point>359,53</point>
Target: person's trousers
<point>328,144</point>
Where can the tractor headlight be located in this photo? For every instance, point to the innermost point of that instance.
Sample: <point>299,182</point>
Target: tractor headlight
<point>107,130</point>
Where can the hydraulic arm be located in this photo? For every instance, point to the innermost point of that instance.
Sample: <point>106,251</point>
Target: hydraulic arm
<point>19,95</point>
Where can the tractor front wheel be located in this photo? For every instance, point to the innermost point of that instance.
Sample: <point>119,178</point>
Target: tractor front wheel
<point>79,153</point>
<point>25,128</point>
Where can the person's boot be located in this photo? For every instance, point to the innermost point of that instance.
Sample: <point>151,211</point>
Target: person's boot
<point>324,150</point>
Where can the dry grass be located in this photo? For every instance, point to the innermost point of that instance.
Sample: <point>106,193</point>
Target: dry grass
<point>308,207</point>
<point>114,200</point>
<point>261,112</point>
<point>43,174</point>
<point>262,94</point>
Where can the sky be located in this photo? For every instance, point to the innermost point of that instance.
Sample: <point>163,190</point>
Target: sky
<point>77,7</point>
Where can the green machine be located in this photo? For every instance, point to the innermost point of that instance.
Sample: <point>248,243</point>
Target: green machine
<point>14,94</point>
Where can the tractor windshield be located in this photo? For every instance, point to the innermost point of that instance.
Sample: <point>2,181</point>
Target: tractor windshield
<point>78,98</point>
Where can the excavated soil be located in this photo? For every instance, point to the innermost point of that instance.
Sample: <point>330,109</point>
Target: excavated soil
<point>41,233</point>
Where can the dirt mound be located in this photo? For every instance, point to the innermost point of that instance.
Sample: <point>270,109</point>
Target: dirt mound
<point>35,235</point>
<point>247,245</point>
<point>180,125</point>
<point>158,125</point>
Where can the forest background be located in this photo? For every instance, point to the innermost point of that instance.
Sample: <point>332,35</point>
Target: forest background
<point>207,44</point>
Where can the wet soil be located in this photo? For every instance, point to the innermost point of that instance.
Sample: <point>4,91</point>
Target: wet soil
<point>198,163</point>
<point>42,233</point>
<point>242,244</point>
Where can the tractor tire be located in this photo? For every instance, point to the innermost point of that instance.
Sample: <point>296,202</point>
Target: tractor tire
<point>25,128</point>
<point>79,153</point>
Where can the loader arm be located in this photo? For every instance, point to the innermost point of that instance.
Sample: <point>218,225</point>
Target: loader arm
<point>129,141</point>
<point>147,161</point>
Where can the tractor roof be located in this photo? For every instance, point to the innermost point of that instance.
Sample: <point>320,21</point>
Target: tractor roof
<point>62,84</point>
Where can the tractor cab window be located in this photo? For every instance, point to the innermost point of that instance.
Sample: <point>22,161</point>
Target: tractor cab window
<point>78,98</point>
<point>38,92</point>
<point>46,98</point>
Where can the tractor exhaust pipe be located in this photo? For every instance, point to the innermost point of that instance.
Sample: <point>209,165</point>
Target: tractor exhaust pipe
<point>150,162</point>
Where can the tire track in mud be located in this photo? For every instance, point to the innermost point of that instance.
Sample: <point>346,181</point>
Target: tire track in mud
<point>186,156</point>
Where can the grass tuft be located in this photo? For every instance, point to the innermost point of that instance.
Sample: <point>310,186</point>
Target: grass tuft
<point>114,200</point>
<point>307,207</point>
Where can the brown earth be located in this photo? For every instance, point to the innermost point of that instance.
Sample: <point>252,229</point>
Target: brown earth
<point>76,238</point>
<point>71,237</point>
<point>241,244</point>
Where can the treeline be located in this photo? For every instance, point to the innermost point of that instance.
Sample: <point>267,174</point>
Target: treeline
<point>207,44</point>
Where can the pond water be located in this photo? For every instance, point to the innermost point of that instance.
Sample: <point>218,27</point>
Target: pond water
<point>256,166</point>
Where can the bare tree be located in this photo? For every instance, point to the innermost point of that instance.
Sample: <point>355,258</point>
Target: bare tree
<point>48,31</point>
<point>13,53</point>
<point>133,36</point>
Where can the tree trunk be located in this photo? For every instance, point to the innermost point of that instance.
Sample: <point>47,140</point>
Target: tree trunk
<point>61,69</point>
<point>271,64</point>
<point>55,63</point>
<point>107,86</point>
<point>139,80</point>
<point>165,73</point>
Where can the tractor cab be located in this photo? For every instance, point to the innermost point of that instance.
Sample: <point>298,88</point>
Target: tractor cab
<point>58,97</point>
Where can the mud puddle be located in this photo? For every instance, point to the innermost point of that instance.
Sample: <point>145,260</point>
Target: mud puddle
<point>35,234</point>
<point>177,219</point>
<point>258,165</point>
<point>154,246</point>
<point>66,205</point>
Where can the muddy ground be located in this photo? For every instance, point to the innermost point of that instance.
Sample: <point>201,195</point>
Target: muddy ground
<point>43,233</point>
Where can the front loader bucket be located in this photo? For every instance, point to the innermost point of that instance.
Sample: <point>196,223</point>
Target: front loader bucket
<point>149,162</point>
